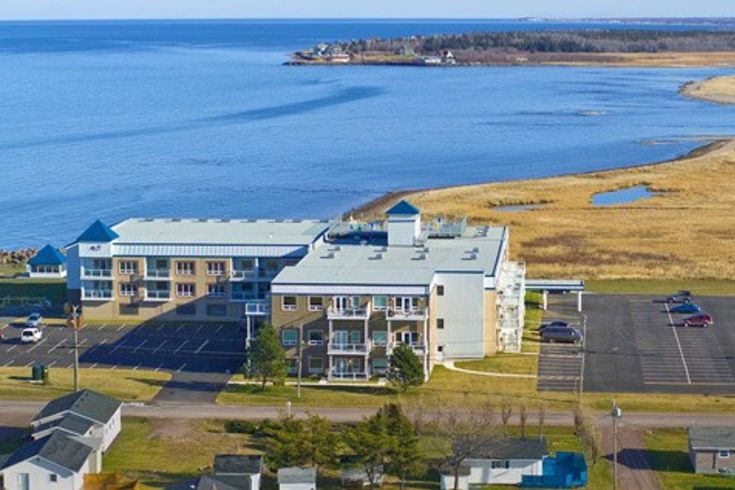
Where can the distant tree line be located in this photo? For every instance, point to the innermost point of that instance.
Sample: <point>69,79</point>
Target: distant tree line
<point>584,41</point>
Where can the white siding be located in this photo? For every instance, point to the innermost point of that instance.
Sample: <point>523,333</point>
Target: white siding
<point>111,430</point>
<point>448,482</point>
<point>40,470</point>
<point>481,471</point>
<point>463,309</point>
<point>296,486</point>
<point>404,230</point>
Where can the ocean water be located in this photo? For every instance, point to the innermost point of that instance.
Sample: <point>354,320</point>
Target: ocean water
<point>200,119</point>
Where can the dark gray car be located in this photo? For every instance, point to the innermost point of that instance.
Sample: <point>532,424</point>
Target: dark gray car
<point>561,334</point>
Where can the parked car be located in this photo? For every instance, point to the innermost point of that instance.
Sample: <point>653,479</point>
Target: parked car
<point>31,335</point>
<point>680,297</point>
<point>561,334</point>
<point>34,320</point>
<point>686,308</point>
<point>554,323</point>
<point>698,320</point>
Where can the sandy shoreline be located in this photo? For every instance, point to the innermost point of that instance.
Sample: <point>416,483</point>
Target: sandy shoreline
<point>715,89</point>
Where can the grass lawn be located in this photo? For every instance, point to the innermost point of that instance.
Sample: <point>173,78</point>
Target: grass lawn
<point>124,384</point>
<point>503,363</point>
<point>52,289</point>
<point>670,459</point>
<point>661,286</point>
<point>11,269</point>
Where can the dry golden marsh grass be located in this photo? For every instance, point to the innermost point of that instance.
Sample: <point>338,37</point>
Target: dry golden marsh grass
<point>687,230</point>
<point>716,89</point>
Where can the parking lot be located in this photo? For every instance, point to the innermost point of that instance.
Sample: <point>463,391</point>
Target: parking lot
<point>636,344</point>
<point>177,348</point>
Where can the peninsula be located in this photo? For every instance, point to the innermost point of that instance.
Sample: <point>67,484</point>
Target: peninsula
<point>570,47</point>
<point>715,89</point>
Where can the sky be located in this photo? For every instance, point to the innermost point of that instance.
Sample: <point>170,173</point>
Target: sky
<point>485,9</point>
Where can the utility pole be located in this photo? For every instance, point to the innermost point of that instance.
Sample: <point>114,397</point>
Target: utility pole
<point>615,413</point>
<point>298,367</point>
<point>76,319</point>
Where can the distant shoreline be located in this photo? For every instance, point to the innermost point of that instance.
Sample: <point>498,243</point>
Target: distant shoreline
<point>719,89</point>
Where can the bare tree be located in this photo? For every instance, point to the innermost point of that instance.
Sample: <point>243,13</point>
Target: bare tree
<point>506,411</point>
<point>588,433</point>
<point>524,419</point>
<point>541,419</point>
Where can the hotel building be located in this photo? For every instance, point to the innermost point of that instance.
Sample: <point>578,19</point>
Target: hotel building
<point>342,294</point>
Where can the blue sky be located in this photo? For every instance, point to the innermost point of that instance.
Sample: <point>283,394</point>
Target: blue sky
<point>128,9</point>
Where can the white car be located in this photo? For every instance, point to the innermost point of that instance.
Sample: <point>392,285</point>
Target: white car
<point>34,320</point>
<point>30,335</point>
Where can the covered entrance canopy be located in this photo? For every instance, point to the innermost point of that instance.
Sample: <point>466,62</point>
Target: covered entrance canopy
<point>557,286</point>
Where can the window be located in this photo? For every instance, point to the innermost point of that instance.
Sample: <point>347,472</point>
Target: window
<point>409,338</point>
<point>440,348</point>
<point>500,464</point>
<point>185,268</point>
<point>404,303</point>
<point>316,365</point>
<point>290,337</point>
<point>354,337</point>
<point>293,366</point>
<point>216,310</point>
<point>128,310</point>
<point>128,267</point>
<point>380,303</point>
<point>216,290</point>
<point>289,303</point>
<point>53,478</point>
<point>215,268</point>
<point>185,290</point>
<point>161,264</point>
<point>380,364</point>
<point>316,303</point>
<point>380,338</point>
<point>440,290</point>
<point>247,264</point>
<point>186,310</point>
<point>271,265</point>
<point>316,337</point>
<point>440,323</point>
<point>128,289</point>
<point>724,454</point>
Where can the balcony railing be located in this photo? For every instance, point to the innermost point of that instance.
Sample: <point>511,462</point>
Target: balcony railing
<point>348,375</point>
<point>242,274</point>
<point>358,313</point>
<point>158,295</point>
<point>348,348</point>
<point>419,348</point>
<point>97,294</point>
<point>415,313</point>
<point>242,296</point>
<point>259,309</point>
<point>97,273</point>
<point>158,273</point>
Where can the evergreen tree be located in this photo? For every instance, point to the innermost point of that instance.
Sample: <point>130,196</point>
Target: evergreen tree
<point>268,360</point>
<point>371,443</point>
<point>283,443</point>
<point>318,441</point>
<point>405,368</point>
<point>403,457</point>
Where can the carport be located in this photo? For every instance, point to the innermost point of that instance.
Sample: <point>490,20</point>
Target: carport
<point>544,286</point>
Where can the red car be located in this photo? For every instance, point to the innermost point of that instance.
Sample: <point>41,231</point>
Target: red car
<point>698,320</point>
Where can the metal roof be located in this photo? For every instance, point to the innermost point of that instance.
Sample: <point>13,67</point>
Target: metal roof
<point>48,255</point>
<point>241,464</point>
<point>510,448</point>
<point>715,438</point>
<point>555,284</point>
<point>69,422</point>
<point>403,207</point>
<point>216,482</point>
<point>85,403</point>
<point>98,232</point>
<point>375,264</point>
<point>57,448</point>
<point>218,232</point>
<point>296,475</point>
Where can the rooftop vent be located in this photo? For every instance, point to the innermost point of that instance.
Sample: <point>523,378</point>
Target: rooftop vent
<point>336,248</point>
<point>376,257</point>
<point>476,250</point>
<point>202,220</point>
<point>224,220</point>
<point>470,257</point>
<point>330,255</point>
<point>176,220</point>
<point>421,256</point>
<point>148,220</point>
<point>251,220</point>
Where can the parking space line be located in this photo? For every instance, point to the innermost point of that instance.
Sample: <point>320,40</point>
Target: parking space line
<point>160,327</point>
<point>93,365</point>
<point>678,344</point>
<point>181,368</point>
<point>118,346</point>
<point>157,348</point>
<point>159,367</point>
<point>30,364</point>
<point>201,327</point>
<point>179,328</point>
<point>136,367</point>
<point>113,367</point>
<point>51,364</point>
<point>9,363</point>
<point>120,327</point>
<point>12,347</point>
<point>180,347</point>
<point>139,346</point>
<point>37,345</point>
<point>56,346</point>
<point>102,326</point>
<point>70,366</point>
<point>219,328</point>
<point>201,346</point>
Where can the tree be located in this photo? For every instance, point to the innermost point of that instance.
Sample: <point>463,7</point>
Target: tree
<point>371,442</point>
<point>405,368</point>
<point>541,419</point>
<point>318,441</point>
<point>506,411</point>
<point>586,430</point>
<point>524,419</point>
<point>283,443</point>
<point>268,360</point>
<point>403,456</point>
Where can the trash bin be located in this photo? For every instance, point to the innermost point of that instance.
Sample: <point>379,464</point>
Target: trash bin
<point>38,372</point>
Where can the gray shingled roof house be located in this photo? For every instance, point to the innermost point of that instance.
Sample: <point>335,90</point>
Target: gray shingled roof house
<point>233,472</point>
<point>297,478</point>
<point>712,449</point>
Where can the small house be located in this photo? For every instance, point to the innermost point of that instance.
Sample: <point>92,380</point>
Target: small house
<point>448,58</point>
<point>505,461</point>
<point>49,262</point>
<point>297,478</point>
<point>233,472</point>
<point>339,58</point>
<point>448,478</point>
<point>82,414</point>
<point>54,461</point>
<point>712,449</point>
<point>406,50</point>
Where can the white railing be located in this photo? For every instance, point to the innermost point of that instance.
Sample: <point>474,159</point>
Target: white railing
<point>348,348</point>
<point>96,273</point>
<point>242,274</point>
<point>415,313</point>
<point>419,348</point>
<point>360,313</point>
<point>96,294</point>
<point>349,376</point>
<point>158,295</point>
<point>257,308</point>
<point>158,273</point>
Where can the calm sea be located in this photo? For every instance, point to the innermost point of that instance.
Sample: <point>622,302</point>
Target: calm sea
<point>200,119</point>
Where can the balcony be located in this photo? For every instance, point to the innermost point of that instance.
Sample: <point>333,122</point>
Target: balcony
<point>97,294</point>
<point>260,308</point>
<point>240,275</point>
<point>335,348</point>
<point>157,274</point>
<point>243,296</point>
<point>360,313</point>
<point>96,273</point>
<point>158,295</point>
<point>348,375</point>
<point>411,314</point>
<point>419,348</point>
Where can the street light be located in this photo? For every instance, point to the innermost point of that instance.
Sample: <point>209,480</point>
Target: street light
<point>615,414</point>
<point>76,320</point>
